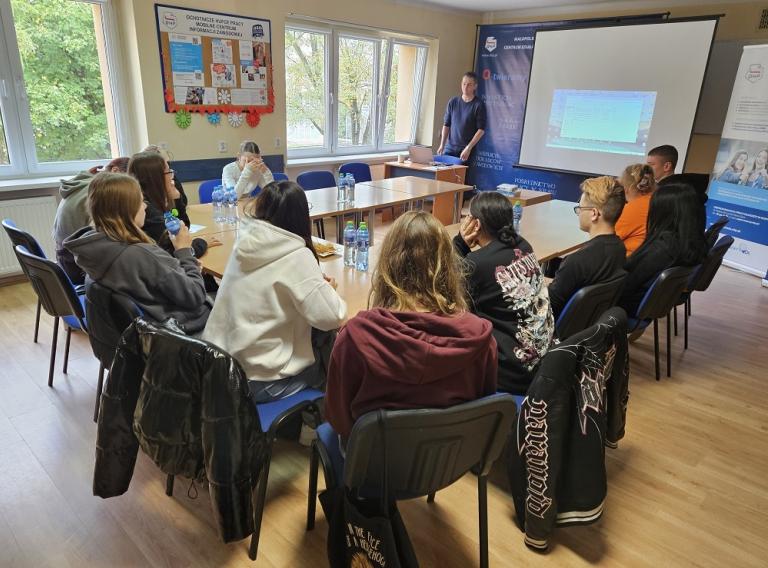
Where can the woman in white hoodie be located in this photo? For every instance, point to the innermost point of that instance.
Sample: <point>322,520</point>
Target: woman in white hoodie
<point>272,294</point>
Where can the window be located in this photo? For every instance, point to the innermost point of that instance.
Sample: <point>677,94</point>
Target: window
<point>57,114</point>
<point>351,91</point>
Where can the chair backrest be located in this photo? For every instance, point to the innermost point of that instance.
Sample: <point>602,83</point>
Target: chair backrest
<point>316,180</point>
<point>587,305</point>
<point>108,314</point>
<point>279,176</point>
<point>205,191</point>
<point>711,264</point>
<point>52,285</point>
<point>664,293</point>
<point>446,159</point>
<point>359,170</point>
<point>428,449</point>
<point>19,237</point>
<point>713,232</point>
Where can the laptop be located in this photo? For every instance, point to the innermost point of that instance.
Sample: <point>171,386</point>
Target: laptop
<point>421,155</point>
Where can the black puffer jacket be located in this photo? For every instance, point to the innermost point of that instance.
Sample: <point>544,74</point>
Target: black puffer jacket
<point>187,404</point>
<point>575,406</point>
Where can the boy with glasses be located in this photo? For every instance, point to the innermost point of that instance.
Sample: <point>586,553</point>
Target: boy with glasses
<point>602,258</point>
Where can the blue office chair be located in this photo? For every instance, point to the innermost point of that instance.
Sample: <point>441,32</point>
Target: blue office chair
<point>58,297</point>
<point>586,306</point>
<point>359,170</point>
<point>316,179</point>
<point>280,176</point>
<point>19,237</point>
<point>205,191</point>
<point>657,303</point>
<point>446,159</point>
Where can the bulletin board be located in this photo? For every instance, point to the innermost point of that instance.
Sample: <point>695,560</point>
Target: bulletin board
<point>215,63</point>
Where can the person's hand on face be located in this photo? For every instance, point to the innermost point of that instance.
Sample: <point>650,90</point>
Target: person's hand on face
<point>470,229</point>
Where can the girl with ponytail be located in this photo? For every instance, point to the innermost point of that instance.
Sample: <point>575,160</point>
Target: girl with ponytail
<point>639,184</point>
<point>505,285</point>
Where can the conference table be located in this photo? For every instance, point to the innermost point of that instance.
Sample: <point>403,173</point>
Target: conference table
<point>369,196</point>
<point>551,228</point>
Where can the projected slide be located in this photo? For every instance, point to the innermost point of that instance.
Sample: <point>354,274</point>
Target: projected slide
<point>616,122</point>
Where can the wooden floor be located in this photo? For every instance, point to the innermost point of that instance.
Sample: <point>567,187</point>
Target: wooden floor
<point>688,485</point>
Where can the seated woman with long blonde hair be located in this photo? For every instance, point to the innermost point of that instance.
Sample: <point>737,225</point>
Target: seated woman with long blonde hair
<point>119,255</point>
<point>417,346</point>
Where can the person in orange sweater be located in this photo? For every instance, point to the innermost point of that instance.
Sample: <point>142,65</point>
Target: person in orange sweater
<point>639,185</point>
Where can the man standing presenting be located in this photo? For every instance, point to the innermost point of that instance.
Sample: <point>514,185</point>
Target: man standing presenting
<point>663,160</point>
<point>464,121</point>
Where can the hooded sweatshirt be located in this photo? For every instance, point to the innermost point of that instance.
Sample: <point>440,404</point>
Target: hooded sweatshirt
<point>271,296</point>
<point>72,213</point>
<point>401,360</point>
<point>162,285</point>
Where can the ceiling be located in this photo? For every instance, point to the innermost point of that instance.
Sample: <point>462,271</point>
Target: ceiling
<point>570,6</point>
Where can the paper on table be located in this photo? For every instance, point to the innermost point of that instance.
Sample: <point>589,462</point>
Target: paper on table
<point>195,228</point>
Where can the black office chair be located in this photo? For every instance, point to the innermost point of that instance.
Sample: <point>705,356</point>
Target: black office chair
<point>108,315</point>
<point>19,237</point>
<point>713,232</point>
<point>58,298</point>
<point>435,447</point>
<point>586,306</point>
<point>657,303</point>
<point>701,278</point>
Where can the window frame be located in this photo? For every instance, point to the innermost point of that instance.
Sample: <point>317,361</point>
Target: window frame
<point>17,120</point>
<point>382,76</point>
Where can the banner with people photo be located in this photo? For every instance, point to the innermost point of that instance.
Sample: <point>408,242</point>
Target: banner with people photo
<point>739,185</point>
<point>503,59</point>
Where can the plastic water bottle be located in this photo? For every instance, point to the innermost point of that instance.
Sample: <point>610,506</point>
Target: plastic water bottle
<point>350,243</point>
<point>341,189</point>
<point>351,189</point>
<point>230,206</point>
<point>217,197</point>
<point>517,215</point>
<point>172,223</point>
<point>361,260</point>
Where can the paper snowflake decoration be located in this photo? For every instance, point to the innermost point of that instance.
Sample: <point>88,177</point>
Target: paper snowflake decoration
<point>214,118</point>
<point>183,118</point>
<point>224,97</point>
<point>235,119</point>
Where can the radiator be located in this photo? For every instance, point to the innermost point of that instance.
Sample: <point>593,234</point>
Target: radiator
<point>35,215</point>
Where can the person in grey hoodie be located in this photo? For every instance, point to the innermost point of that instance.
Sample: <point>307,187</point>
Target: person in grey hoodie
<point>72,214</point>
<point>117,254</point>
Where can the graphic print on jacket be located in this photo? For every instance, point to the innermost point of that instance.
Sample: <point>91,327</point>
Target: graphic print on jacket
<point>522,285</point>
<point>535,445</point>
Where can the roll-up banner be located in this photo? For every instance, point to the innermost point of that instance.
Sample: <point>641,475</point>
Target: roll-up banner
<point>503,65</point>
<point>739,185</point>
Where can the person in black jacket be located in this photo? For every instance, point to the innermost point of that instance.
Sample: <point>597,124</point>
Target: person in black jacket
<point>675,237</point>
<point>602,258</point>
<point>506,286</point>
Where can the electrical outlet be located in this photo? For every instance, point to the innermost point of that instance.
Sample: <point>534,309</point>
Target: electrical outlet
<point>223,146</point>
<point>277,142</point>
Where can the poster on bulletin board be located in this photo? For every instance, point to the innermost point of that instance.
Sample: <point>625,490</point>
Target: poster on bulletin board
<point>215,62</point>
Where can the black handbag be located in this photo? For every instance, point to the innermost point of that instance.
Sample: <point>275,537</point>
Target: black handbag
<point>367,533</point>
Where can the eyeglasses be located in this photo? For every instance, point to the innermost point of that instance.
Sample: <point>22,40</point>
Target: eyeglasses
<point>169,171</point>
<point>578,209</point>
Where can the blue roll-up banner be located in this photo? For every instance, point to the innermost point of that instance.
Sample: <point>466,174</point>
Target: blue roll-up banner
<point>503,65</point>
<point>739,185</point>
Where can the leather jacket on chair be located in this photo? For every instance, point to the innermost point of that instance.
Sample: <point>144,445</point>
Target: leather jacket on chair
<point>187,404</point>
